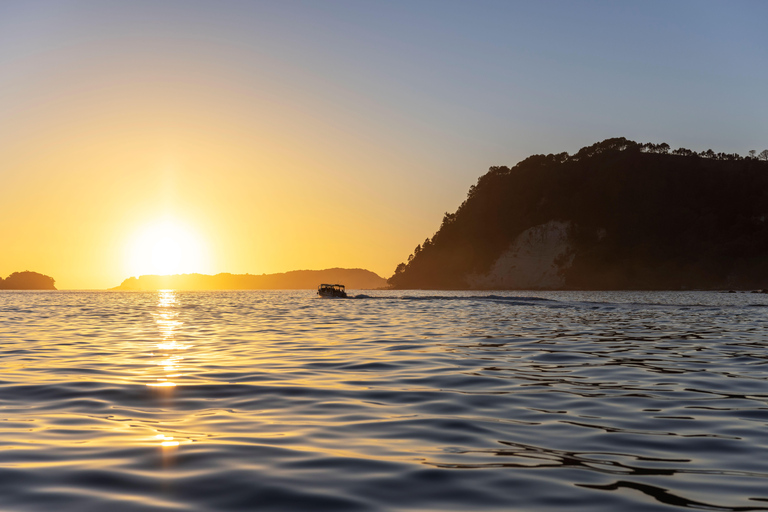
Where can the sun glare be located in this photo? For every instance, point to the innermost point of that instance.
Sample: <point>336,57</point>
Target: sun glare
<point>166,247</point>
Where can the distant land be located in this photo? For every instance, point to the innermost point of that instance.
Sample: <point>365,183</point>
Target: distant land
<point>354,278</point>
<point>27,281</point>
<point>617,215</point>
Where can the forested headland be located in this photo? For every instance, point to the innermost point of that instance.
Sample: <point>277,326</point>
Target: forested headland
<point>27,281</point>
<point>615,215</point>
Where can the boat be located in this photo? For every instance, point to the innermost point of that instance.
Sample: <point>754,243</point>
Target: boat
<point>331,290</point>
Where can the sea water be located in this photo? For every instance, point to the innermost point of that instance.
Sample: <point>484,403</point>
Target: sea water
<point>390,400</point>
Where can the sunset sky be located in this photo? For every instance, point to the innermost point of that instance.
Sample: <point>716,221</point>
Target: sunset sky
<point>260,137</point>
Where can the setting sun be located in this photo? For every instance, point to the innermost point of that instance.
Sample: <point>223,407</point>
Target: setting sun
<point>166,247</point>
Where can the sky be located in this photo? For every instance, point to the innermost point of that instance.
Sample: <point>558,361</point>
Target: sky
<point>142,137</point>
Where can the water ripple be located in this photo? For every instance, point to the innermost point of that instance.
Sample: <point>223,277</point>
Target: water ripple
<point>393,401</point>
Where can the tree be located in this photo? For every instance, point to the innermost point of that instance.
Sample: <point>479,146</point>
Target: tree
<point>752,153</point>
<point>763,155</point>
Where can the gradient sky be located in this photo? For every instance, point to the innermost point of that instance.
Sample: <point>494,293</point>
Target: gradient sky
<point>304,135</point>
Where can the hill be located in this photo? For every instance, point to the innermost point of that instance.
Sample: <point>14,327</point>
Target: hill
<point>27,281</point>
<point>294,280</point>
<point>615,215</point>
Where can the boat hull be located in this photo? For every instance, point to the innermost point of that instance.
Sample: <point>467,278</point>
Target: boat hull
<point>332,295</point>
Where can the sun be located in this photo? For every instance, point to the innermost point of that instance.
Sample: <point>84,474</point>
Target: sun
<point>166,247</point>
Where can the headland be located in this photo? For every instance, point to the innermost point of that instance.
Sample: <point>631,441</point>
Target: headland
<point>354,278</point>
<point>617,215</point>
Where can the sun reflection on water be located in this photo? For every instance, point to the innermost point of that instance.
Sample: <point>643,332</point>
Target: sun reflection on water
<point>168,349</point>
<point>168,361</point>
<point>166,440</point>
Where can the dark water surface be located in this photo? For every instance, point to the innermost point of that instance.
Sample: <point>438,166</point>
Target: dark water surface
<point>391,401</point>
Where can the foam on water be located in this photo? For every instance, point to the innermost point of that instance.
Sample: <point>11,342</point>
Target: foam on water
<point>393,401</point>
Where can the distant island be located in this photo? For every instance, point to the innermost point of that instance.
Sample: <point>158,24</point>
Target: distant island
<point>27,281</point>
<point>615,215</point>
<point>355,278</point>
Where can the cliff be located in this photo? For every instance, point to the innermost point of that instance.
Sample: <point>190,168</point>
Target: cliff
<point>616,215</point>
<point>27,281</point>
<point>294,280</point>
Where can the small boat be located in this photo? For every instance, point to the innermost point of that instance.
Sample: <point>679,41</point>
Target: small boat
<point>331,290</point>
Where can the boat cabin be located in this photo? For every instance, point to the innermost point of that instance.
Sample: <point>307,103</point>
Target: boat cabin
<point>331,290</point>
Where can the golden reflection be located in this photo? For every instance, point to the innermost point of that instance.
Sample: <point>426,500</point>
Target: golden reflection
<point>167,441</point>
<point>170,360</point>
<point>167,366</point>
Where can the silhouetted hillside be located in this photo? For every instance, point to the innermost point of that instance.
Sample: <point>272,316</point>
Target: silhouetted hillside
<point>295,280</point>
<point>27,281</point>
<point>616,215</point>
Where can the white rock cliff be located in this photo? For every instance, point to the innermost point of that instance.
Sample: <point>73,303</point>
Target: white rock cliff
<point>536,259</point>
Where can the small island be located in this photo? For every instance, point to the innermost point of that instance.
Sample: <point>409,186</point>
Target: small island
<point>617,215</point>
<point>27,281</point>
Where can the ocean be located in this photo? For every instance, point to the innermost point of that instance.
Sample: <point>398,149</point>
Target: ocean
<point>386,401</point>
